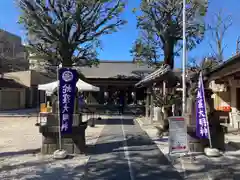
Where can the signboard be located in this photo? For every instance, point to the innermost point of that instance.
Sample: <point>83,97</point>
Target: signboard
<point>67,88</point>
<point>177,135</point>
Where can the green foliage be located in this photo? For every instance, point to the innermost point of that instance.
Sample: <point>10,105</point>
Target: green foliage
<point>160,24</point>
<point>206,65</point>
<point>145,51</point>
<point>168,100</point>
<point>68,31</point>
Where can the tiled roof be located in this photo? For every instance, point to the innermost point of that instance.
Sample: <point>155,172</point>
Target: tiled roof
<point>154,75</point>
<point>114,69</point>
<point>161,74</point>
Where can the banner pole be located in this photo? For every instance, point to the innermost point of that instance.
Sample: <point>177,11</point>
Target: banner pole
<point>59,120</point>
<point>209,133</point>
<point>184,57</point>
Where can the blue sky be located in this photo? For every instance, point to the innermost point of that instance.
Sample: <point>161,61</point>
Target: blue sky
<point>117,46</point>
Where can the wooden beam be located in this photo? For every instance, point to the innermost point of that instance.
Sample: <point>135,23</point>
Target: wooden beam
<point>228,71</point>
<point>147,105</point>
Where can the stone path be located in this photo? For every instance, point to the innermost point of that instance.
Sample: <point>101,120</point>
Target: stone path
<point>124,151</point>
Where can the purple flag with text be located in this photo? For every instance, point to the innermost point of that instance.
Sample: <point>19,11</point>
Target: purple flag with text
<point>67,88</point>
<point>202,126</point>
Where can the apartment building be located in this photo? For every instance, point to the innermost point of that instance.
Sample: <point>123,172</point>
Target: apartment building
<point>18,83</point>
<point>13,55</point>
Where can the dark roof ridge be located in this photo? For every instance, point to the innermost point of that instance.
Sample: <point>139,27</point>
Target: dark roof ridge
<point>10,33</point>
<point>230,61</point>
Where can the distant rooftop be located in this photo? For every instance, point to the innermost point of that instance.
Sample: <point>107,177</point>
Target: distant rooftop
<point>114,69</point>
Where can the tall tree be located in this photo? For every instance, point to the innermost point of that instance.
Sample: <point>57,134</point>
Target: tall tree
<point>206,65</point>
<point>68,31</point>
<point>160,23</point>
<point>218,28</point>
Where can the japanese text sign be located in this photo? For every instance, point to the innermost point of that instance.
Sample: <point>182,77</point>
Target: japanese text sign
<point>67,88</point>
<point>201,114</point>
<point>178,142</point>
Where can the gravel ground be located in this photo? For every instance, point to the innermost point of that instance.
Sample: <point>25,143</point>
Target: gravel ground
<point>19,153</point>
<point>15,131</point>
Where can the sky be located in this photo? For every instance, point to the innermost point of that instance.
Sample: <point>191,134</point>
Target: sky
<point>117,46</point>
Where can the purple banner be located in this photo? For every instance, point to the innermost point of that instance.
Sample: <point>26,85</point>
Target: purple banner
<point>67,87</point>
<point>201,113</point>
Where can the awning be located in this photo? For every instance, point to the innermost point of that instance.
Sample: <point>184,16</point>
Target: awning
<point>82,86</point>
<point>49,87</point>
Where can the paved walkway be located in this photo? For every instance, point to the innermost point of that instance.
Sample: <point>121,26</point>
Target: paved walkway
<point>125,151</point>
<point>233,139</point>
<point>198,166</point>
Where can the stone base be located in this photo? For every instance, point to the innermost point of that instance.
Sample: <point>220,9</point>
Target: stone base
<point>74,143</point>
<point>60,154</point>
<point>77,146</point>
<point>195,144</point>
<point>212,152</point>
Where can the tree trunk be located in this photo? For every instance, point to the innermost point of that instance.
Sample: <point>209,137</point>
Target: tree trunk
<point>67,62</point>
<point>220,50</point>
<point>169,53</point>
<point>66,55</point>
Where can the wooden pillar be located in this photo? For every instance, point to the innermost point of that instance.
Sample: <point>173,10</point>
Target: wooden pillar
<point>147,105</point>
<point>165,115</point>
<point>164,88</point>
<point>151,106</point>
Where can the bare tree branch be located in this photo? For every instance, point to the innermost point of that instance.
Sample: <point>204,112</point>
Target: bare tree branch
<point>68,31</point>
<point>162,20</point>
<point>218,28</point>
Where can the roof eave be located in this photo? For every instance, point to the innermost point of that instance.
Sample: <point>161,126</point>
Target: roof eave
<point>156,74</point>
<point>224,64</point>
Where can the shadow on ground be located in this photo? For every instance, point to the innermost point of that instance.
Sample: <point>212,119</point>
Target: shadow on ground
<point>215,168</point>
<point>14,153</point>
<point>43,169</point>
<point>108,160</point>
<point>155,167</point>
<point>114,121</point>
